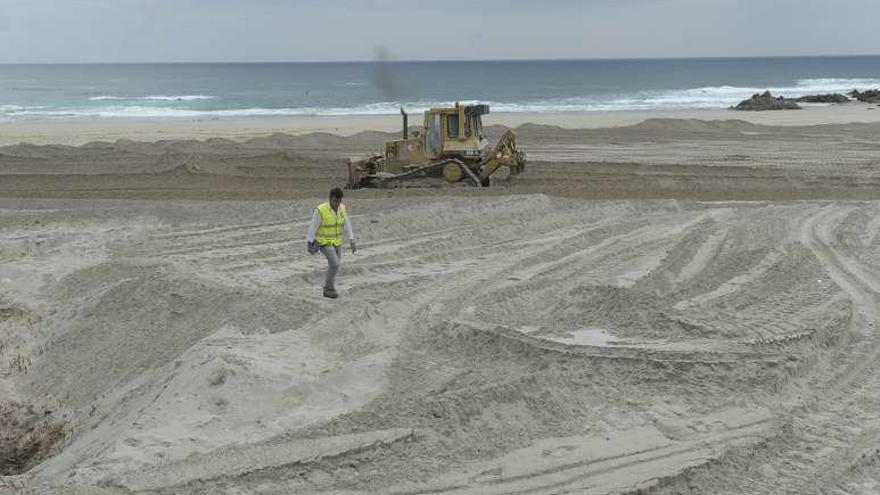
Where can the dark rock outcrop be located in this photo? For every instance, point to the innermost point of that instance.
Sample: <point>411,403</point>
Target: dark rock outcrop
<point>766,101</point>
<point>826,98</point>
<point>869,96</point>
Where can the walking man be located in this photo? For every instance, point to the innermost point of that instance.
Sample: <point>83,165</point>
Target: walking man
<point>329,220</point>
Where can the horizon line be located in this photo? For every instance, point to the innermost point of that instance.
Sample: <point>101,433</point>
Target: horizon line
<point>475,60</point>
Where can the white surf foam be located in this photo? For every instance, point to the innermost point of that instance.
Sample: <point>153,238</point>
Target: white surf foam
<point>153,98</point>
<point>174,106</point>
<point>140,111</point>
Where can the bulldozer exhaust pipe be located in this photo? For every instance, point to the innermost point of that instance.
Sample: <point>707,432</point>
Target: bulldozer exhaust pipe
<point>405,125</point>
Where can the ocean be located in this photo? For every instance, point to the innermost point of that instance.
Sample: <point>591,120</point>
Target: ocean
<point>376,88</point>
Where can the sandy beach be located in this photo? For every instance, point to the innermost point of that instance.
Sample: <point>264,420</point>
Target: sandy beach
<point>664,302</point>
<point>84,130</point>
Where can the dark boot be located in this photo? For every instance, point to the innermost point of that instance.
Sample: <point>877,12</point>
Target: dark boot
<point>330,292</point>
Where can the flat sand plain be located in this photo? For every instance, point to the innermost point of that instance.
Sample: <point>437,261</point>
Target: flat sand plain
<point>676,306</point>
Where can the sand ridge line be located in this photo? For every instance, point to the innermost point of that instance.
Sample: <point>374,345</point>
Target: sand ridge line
<point>251,458</point>
<point>619,462</point>
<point>678,352</point>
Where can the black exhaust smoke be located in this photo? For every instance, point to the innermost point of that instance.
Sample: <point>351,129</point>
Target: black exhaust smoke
<point>405,125</point>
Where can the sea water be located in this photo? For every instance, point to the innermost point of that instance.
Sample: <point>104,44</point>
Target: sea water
<point>377,88</point>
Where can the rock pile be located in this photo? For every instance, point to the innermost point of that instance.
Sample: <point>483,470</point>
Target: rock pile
<point>826,98</point>
<point>766,101</point>
<point>868,96</point>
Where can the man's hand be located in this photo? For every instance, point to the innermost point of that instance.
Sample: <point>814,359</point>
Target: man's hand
<point>354,247</point>
<point>313,247</point>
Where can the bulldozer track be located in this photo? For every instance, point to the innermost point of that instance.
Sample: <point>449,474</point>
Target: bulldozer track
<point>834,428</point>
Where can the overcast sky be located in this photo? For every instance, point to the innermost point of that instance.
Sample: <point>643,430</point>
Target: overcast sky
<point>334,30</point>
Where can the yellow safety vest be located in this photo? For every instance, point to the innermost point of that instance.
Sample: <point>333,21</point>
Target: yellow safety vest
<point>332,225</point>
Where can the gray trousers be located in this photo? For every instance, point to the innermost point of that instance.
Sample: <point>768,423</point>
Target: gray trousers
<point>334,258</point>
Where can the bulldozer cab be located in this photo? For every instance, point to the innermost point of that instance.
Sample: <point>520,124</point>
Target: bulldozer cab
<point>449,132</point>
<point>454,131</point>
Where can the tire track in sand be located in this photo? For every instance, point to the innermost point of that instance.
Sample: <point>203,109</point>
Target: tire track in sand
<point>827,432</point>
<point>856,388</point>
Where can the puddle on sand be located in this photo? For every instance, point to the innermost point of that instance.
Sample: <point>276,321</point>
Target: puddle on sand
<point>600,337</point>
<point>586,336</point>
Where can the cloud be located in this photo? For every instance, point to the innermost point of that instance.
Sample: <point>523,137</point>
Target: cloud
<point>4,21</point>
<point>306,30</point>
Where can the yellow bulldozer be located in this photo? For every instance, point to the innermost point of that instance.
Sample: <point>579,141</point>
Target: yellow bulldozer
<point>450,146</point>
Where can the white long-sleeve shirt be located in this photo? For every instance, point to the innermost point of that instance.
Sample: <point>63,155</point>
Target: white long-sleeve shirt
<point>316,222</point>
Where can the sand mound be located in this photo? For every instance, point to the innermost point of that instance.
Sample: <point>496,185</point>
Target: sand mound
<point>695,126</point>
<point>573,345</point>
<point>658,158</point>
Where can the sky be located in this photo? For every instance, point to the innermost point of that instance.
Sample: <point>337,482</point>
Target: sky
<point>111,31</point>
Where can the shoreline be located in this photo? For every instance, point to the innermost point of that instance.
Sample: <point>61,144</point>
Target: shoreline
<point>80,131</point>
